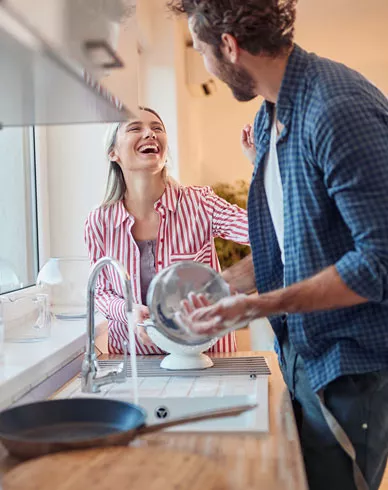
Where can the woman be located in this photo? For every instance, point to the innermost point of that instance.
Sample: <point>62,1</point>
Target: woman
<point>148,221</point>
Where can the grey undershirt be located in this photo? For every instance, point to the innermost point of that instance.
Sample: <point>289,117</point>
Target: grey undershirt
<point>147,265</point>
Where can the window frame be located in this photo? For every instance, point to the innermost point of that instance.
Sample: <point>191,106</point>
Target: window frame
<point>39,203</point>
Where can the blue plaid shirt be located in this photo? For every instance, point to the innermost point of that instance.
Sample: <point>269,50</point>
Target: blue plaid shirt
<point>333,159</point>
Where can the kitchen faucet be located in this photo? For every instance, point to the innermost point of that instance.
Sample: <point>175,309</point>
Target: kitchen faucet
<point>90,381</point>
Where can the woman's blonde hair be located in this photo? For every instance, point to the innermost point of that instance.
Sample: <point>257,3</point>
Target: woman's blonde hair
<point>115,187</point>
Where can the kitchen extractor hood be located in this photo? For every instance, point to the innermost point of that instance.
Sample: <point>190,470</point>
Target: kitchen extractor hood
<point>46,80</point>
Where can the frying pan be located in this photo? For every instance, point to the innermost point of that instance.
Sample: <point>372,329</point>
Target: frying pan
<point>35,429</point>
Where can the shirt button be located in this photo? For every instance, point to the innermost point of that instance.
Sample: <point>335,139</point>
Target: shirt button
<point>160,262</point>
<point>161,240</point>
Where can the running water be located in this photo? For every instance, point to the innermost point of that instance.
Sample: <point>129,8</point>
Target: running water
<point>132,353</point>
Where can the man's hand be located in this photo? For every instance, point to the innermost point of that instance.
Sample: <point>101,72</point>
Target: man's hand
<point>324,291</point>
<point>248,142</point>
<point>202,318</point>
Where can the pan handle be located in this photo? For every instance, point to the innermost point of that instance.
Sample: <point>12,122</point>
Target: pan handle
<point>214,414</point>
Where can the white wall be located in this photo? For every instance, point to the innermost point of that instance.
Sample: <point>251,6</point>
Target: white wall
<point>77,172</point>
<point>222,118</point>
<point>353,32</point>
<point>191,144</point>
<point>157,79</point>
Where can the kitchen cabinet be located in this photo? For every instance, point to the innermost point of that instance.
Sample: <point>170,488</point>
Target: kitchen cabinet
<point>61,64</point>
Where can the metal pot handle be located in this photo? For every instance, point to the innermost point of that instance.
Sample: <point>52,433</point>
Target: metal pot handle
<point>214,414</point>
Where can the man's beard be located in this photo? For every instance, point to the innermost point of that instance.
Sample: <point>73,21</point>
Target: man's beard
<point>238,80</point>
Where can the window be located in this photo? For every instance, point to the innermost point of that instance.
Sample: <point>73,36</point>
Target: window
<point>18,204</point>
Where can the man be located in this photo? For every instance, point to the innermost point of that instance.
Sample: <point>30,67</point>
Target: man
<point>318,217</point>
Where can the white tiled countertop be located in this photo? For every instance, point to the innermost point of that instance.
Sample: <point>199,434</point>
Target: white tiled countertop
<point>26,365</point>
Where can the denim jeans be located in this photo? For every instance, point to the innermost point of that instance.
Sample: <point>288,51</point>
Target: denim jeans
<point>359,403</point>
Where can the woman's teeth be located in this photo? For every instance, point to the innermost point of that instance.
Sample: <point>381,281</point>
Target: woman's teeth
<point>148,149</point>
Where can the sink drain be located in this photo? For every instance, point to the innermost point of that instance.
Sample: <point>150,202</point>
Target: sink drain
<point>162,413</point>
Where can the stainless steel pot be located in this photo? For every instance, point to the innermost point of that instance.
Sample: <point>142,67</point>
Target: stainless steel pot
<point>172,285</point>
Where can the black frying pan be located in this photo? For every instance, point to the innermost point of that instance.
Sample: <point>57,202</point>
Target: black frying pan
<point>40,428</point>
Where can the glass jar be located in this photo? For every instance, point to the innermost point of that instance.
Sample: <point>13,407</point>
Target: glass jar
<point>65,281</point>
<point>26,318</point>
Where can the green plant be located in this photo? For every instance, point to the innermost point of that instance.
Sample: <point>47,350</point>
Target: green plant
<point>230,252</point>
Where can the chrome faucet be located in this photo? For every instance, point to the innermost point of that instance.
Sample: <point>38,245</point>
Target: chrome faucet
<point>90,381</point>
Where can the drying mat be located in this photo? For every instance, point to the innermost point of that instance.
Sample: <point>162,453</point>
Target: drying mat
<point>229,366</point>
<point>117,468</point>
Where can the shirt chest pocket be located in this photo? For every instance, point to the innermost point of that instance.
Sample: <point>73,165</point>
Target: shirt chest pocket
<point>202,255</point>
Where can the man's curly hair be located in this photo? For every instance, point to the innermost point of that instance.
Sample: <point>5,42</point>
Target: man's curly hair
<point>259,26</point>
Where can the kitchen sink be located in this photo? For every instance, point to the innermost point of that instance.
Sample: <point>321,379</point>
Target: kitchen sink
<point>168,397</point>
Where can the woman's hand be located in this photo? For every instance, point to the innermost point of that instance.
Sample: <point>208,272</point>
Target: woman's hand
<point>248,142</point>
<point>140,314</point>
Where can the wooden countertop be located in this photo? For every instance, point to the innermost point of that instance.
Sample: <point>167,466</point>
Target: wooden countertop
<point>270,461</point>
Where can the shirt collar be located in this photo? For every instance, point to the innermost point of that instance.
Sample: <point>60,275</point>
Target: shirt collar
<point>120,213</point>
<point>170,196</point>
<point>169,200</point>
<point>292,79</point>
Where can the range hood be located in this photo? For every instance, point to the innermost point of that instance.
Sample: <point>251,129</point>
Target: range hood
<point>64,77</point>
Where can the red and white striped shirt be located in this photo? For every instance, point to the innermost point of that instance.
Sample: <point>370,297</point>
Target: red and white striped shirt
<point>190,218</point>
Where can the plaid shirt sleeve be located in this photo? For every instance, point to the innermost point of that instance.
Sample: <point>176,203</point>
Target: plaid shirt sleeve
<point>351,146</point>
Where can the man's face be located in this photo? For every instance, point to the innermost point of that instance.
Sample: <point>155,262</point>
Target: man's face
<point>236,77</point>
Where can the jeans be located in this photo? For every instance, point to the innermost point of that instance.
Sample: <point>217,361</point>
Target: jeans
<point>359,403</point>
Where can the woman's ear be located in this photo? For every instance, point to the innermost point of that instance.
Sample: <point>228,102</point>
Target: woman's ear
<point>113,157</point>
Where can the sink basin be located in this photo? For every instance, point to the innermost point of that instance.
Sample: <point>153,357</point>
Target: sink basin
<point>173,397</point>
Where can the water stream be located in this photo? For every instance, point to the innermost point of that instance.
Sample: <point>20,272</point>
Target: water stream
<point>132,353</point>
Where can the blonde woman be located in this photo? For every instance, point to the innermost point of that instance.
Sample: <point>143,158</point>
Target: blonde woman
<point>148,221</point>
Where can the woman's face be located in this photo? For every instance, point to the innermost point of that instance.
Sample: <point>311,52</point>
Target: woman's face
<point>141,144</point>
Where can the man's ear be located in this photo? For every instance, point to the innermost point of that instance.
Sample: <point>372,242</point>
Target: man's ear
<point>230,48</point>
